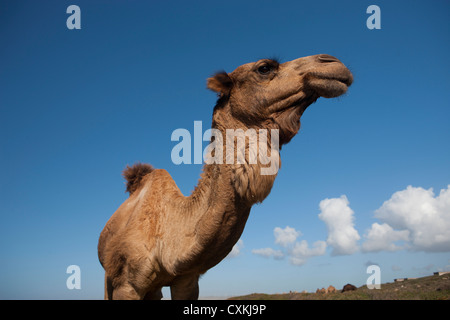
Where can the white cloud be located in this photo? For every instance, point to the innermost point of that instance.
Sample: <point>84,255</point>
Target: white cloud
<point>298,252</point>
<point>414,219</point>
<point>381,237</point>
<point>338,217</point>
<point>286,236</point>
<point>424,216</point>
<point>268,253</point>
<point>236,249</point>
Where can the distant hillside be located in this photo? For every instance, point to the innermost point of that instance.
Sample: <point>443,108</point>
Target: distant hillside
<point>426,288</point>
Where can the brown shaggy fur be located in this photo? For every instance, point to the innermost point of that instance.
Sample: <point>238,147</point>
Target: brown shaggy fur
<point>134,174</point>
<point>159,237</point>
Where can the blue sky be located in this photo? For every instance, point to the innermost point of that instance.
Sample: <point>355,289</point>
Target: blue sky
<point>77,106</point>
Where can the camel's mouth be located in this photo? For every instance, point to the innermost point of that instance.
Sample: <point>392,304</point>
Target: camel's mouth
<point>331,85</point>
<point>321,85</point>
<point>345,80</point>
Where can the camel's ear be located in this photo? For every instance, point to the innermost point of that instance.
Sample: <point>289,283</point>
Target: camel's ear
<point>220,82</point>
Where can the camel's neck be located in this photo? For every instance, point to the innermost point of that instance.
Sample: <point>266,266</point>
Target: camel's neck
<point>221,202</point>
<point>221,214</point>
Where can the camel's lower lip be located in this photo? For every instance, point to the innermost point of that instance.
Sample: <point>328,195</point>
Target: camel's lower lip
<point>342,75</point>
<point>346,81</point>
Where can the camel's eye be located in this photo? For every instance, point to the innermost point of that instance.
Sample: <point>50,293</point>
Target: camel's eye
<point>265,69</point>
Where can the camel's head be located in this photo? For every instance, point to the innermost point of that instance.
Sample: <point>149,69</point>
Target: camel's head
<point>269,94</point>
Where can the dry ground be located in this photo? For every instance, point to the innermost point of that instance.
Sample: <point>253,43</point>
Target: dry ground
<point>426,288</point>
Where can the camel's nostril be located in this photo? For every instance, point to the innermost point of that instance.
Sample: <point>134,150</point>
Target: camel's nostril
<point>326,58</point>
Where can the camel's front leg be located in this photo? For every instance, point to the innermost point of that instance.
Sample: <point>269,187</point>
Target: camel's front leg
<point>185,287</point>
<point>153,295</point>
<point>125,292</point>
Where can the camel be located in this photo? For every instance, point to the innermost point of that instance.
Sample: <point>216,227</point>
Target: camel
<point>158,237</point>
<point>348,287</point>
<point>331,289</point>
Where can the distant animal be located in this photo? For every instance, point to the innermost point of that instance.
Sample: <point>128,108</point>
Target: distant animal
<point>331,289</point>
<point>323,290</point>
<point>348,287</point>
<point>158,237</point>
